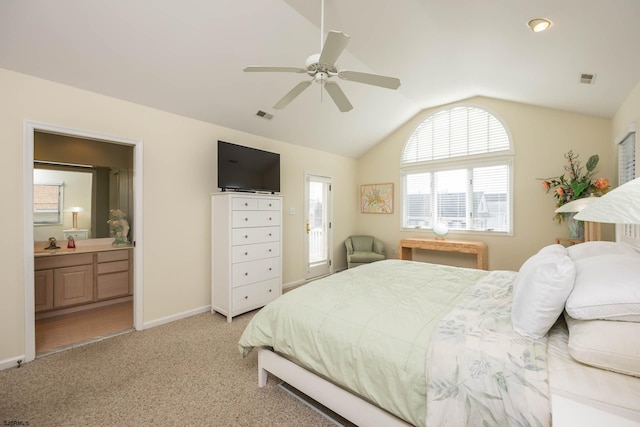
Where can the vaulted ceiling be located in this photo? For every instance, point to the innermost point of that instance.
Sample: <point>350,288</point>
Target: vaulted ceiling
<point>187,57</point>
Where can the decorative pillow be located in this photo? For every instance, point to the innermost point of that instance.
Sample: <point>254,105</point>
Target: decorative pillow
<point>541,289</point>
<point>589,249</point>
<point>606,287</point>
<point>605,344</point>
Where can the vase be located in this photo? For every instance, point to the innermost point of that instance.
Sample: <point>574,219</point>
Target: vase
<point>576,228</point>
<point>121,232</point>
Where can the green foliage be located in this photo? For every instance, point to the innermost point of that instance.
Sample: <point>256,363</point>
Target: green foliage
<point>577,181</point>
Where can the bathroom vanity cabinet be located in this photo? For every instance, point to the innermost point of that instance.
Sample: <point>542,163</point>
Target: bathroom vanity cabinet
<point>72,279</point>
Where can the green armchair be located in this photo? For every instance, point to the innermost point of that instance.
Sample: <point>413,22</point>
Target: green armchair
<point>363,250</point>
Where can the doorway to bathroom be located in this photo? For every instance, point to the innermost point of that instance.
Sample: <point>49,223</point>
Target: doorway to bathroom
<point>99,293</point>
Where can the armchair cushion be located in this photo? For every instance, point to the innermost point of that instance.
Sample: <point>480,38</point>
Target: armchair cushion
<point>363,249</point>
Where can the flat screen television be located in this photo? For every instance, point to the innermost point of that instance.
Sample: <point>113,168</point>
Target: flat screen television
<point>247,169</point>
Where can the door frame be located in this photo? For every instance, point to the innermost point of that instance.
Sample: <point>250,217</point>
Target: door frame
<point>329,219</point>
<point>29,129</point>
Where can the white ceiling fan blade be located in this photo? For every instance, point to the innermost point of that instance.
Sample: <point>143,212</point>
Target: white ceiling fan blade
<point>338,96</point>
<point>333,47</point>
<point>263,69</point>
<point>370,79</point>
<point>292,94</point>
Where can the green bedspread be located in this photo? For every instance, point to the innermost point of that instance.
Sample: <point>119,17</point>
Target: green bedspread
<point>367,328</point>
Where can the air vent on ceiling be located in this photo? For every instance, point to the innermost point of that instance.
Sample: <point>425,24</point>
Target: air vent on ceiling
<point>587,79</point>
<point>264,115</point>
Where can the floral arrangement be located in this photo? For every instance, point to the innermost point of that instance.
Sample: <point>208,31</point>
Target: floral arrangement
<point>577,182</point>
<point>119,227</point>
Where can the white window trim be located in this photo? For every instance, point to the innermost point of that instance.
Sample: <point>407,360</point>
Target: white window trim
<point>478,160</point>
<point>60,186</point>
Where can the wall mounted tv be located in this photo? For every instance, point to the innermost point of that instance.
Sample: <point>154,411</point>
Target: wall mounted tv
<point>247,169</point>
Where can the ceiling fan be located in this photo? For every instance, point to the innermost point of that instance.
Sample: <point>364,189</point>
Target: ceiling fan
<point>322,67</point>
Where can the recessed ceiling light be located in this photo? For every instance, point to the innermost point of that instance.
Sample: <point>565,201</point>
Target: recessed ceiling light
<point>539,24</point>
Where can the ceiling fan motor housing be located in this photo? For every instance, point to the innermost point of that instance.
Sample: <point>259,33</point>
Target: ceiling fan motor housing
<point>313,66</point>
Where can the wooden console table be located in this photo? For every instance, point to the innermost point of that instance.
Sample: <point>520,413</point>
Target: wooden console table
<point>406,246</point>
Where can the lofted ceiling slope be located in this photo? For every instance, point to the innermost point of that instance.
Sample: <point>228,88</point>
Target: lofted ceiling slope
<point>186,57</point>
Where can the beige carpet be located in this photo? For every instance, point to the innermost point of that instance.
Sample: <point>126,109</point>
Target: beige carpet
<point>186,373</point>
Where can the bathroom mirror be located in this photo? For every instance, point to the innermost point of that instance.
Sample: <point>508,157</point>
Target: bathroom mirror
<point>76,183</point>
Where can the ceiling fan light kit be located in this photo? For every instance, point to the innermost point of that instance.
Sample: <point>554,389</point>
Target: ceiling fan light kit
<point>321,67</point>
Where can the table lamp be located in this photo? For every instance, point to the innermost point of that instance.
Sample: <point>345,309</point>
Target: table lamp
<point>74,213</point>
<point>619,206</point>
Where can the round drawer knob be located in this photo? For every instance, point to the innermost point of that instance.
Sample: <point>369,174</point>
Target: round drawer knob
<point>246,274</point>
<point>246,253</point>
<point>246,204</point>
<point>246,297</point>
<point>270,219</point>
<point>269,250</point>
<point>269,234</point>
<point>269,290</point>
<point>246,219</point>
<point>246,237</point>
<point>269,268</point>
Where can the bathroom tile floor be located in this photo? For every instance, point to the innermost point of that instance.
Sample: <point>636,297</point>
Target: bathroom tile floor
<point>68,330</point>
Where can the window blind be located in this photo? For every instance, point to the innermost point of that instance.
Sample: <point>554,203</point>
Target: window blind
<point>444,182</point>
<point>627,172</point>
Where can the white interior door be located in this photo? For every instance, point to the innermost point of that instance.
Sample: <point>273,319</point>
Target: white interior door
<point>318,226</point>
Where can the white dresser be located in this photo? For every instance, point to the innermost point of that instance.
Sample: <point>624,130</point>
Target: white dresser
<point>246,248</point>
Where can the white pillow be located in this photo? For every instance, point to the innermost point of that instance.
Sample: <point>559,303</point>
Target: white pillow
<point>540,292</point>
<point>597,248</point>
<point>553,249</point>
<point>605,344</point>
<point>607,287</point>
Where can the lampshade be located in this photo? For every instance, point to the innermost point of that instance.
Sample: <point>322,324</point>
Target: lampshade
<point>619,206</point>
<point>575,205</point>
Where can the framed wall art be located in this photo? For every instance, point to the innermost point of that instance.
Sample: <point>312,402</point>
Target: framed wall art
<point>376,198</point>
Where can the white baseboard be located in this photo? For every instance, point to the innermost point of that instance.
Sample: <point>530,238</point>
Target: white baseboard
<point>11,363</point>
<point>292,285</point>
<point>175,317</point>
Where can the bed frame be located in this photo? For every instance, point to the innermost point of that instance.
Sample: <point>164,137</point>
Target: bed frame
<point>342,402</point>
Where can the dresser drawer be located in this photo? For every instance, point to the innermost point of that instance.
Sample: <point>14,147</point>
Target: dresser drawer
<point>253,271</point>
<point>269,204</point>
<point>254,219</point>
<point>244,203</point>
<point>246,253</point>
<point>255,295</point>
<point>248,236</point>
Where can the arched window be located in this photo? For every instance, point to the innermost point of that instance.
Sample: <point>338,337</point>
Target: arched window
<point>457,170</point>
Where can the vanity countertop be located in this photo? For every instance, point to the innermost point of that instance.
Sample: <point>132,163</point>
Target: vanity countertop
<point>82,246</point>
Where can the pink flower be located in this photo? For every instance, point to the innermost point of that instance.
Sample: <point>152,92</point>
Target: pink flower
<point>602,183</point>
<point>560,191</point>
<point>546,185</point>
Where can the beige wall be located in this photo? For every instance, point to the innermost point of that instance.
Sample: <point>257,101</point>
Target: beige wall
<point>179,174</point>
<point>628,116</point>
<point>540,137</point>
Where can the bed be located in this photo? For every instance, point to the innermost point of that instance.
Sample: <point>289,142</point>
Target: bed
<point>409,343</point>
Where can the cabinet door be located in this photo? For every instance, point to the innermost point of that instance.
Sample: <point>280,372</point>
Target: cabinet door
<point>43,290</point>
<point>112,285</point>
<point>72,285</point>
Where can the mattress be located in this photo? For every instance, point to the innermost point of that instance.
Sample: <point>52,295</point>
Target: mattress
<point>607,391</point>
